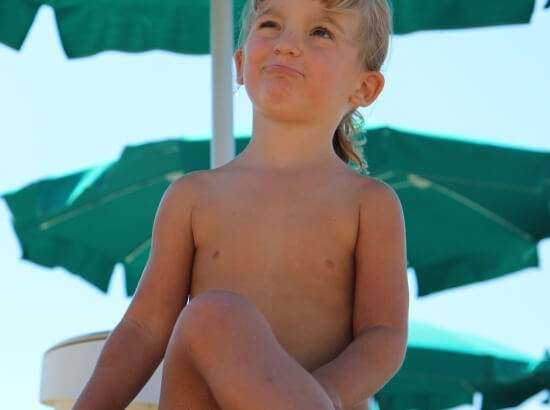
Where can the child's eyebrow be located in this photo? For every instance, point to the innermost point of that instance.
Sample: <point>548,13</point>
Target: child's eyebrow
<point>269,10</point>
<point>326,17</point>
<point>334,23</point>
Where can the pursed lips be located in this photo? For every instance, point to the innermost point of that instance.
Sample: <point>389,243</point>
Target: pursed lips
<point>282,69</point>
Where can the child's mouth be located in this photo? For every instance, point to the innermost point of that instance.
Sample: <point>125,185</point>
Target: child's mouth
<point>282,69</point>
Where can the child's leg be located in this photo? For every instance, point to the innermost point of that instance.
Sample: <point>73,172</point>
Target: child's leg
<point>223,343</point>
<point>182,386</point>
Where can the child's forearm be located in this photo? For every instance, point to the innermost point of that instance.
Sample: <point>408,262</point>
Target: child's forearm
<point>364,366</point>
<point>127,360</point>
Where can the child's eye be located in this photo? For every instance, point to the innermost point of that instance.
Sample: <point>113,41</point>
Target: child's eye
<point>267,23</point>
<point>323,32</point>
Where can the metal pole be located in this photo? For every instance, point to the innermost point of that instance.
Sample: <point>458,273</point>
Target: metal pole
<point>222,147</point>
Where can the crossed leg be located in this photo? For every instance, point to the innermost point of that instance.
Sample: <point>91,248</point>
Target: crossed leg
<point>223,354</point>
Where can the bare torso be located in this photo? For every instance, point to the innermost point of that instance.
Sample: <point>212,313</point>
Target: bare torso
<point>287,243</point>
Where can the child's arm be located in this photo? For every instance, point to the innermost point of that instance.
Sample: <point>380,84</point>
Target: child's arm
<point>380,305</point>
<point>137,345</point>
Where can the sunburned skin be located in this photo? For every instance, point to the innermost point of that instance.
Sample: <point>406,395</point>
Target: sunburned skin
<point>286,242</point>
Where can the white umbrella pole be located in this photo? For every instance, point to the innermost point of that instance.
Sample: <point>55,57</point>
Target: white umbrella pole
<point>222,147</point>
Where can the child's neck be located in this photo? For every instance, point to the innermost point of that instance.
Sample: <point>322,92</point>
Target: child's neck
<point>289,146</point>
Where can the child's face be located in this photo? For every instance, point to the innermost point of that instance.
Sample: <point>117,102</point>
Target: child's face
<point>320,50</point>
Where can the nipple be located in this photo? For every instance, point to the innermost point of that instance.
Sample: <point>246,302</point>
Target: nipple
<point>329,264</point>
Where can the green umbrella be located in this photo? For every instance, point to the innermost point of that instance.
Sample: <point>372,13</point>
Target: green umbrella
<point>443,369</point>
<point>89,27</point>
<point>90,220</point>
<point>181,26</point>
<point>473,212</point>
<point>513,392</point>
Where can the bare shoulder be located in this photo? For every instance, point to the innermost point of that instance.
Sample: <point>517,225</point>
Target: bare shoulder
<point>375,196</point>
<point>189,184</point>
<point>376,187</point>
<point>183,193</point>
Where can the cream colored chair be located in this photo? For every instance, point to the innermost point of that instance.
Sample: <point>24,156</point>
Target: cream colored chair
<point>67,366</point>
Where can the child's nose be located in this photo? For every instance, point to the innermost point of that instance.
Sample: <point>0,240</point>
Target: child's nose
<point>287,43</point>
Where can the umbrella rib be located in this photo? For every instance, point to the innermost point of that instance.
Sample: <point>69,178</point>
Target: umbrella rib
<point>424,183</point>
<point>134,254</point>
<point>171,176</point>
<point>401,185</point>
<point>387,175</point>
<point>476,207</point>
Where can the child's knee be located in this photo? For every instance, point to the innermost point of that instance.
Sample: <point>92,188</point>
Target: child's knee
<point>210,315</point>
<point>221,296</point>
<point>219,306</point>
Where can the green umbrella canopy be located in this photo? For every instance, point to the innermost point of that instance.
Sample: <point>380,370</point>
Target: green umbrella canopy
<point>90,220</point>
<point>472,212</point>
<point>182,26</point>
<point>498,396</point>
<point>444,368</point>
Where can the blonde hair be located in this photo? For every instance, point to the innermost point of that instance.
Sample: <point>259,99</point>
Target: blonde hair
<point>374,37</point>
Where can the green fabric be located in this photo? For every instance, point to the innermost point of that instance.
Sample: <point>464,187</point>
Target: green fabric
<point>426,336</point>
<point>410,15</point>
<point>443,369</point>
<point>89,27</point>
<point>510,394</point>
<point>90,220</point>
<point>16,17</point>
<point>472,212</point>
<point>181,26</point>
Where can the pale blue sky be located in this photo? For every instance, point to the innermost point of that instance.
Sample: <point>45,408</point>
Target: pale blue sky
<point>57,116</point>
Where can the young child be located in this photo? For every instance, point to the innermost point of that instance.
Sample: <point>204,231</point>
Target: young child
<point>295,264</point>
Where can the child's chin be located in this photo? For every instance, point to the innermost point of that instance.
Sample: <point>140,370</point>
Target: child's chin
<point>284,113</point>
<point>279,94</point>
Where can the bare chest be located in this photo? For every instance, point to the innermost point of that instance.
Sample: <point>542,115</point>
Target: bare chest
<point>290,250</point>
<point>261,234</point>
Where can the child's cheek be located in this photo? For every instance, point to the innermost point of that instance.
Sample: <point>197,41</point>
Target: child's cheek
<point>322,79</point>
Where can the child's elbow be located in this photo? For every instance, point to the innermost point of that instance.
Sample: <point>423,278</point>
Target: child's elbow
<point>392,344</point>
<point>397,343</point>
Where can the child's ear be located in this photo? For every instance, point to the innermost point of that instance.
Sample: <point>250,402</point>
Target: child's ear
<point>238,57</point>
<point>372,83</point>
